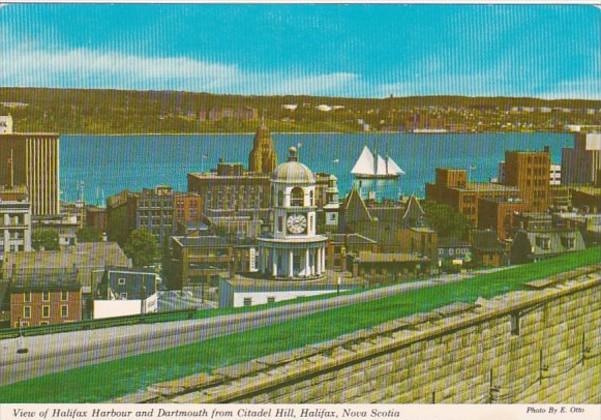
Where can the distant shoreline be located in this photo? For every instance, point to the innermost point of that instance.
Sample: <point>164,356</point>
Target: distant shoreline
<point>251,133</point>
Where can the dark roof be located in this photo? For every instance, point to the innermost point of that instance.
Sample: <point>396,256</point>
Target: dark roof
<point>452,243</point>
<point>487,241</point>
<point>45,280</point>
<point>201,241</point>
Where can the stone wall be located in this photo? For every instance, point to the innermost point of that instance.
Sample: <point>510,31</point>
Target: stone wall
<point>542,345</point>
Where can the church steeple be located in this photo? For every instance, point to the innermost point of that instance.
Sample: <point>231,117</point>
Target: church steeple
<point>262,158</point>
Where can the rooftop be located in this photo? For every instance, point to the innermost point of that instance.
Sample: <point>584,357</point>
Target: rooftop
<point>42,279</point>
<point>201,241</point>
<point>381,257</point>
<point>29,134</point>
<point>487,186</point>
<point>588,190</point>
<point>214,175</point>
<point>328,281</point>
<point>82,255</point>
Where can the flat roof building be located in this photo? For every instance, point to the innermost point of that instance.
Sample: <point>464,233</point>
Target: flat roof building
<point>453,189</point>
<point>35,164</point>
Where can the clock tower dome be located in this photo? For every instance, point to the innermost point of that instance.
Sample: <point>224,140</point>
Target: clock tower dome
<point>292,250</point>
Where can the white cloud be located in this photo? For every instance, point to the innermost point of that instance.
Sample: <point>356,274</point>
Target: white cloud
<point>582,89</point>
<point>29,65</point>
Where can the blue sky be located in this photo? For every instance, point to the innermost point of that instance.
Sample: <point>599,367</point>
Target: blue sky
<point>550,51</point>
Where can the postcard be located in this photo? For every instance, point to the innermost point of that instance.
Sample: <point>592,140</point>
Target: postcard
<point>300,211</point>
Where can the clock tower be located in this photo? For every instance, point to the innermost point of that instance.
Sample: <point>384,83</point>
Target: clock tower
<point>292,250</point>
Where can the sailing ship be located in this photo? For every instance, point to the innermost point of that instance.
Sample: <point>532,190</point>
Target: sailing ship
<point>373,166</point>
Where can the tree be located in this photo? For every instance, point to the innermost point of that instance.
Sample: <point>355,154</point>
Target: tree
<point>89,234</point>
<point>446,221</point>
<point>117,227</point>
<point>45,239</point>
<point>142,247</point>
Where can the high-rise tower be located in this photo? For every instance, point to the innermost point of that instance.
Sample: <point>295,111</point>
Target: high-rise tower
<point>34,162</point>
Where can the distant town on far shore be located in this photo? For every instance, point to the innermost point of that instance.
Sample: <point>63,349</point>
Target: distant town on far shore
<point>102,111</point>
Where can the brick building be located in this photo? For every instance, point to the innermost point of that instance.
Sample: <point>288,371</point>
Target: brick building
<point>155,211</point>
<point>44,297</point>
<point>188,207</point>
<point>498,214</point>
<point>201,260</point>
<point>452,188</point>
<point>96,217</point>
<point>530,173</point>
<point>396,227</point>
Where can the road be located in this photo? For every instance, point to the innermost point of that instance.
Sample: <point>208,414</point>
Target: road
<point>58,352</point>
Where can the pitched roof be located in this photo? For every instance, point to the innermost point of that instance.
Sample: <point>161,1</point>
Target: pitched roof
<point>355,207</point>
<point>487,241</point>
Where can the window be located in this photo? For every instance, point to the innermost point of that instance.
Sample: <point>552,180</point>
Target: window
<point>280,198</point>
<point>568,242</point>
<point>311,198</point>
<point>27,297</point>
<point>121,281</point>
<point>280,224</point>
<point>297,196</point>
<point>270,299</point>
<point>247,301</point>
<point>26,312</point>
<point>515,323</point>
<point>543,243</point>
<point>64,311</point>
<point>64,295</point>
<point>43,323</point>
<point>45,296</point>
<point>45,311</point>
<point>123,295</point>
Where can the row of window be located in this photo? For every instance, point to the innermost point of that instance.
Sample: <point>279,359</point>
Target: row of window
<point>248,301</point>
<point>64,311</point>
<point>545,243</point>
<point>297,197</point>
<point>45,296</point>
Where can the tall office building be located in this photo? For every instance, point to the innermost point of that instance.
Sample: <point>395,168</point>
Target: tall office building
<point>35,164</point>
<point>530,172</point>
<point>582,163</point>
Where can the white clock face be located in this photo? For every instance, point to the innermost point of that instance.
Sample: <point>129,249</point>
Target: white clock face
<point>296,223</point>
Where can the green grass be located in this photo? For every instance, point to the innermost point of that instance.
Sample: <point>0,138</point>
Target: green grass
<point>112,379</point>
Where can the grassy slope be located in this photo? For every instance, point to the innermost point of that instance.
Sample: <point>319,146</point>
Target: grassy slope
<point>111,379</point>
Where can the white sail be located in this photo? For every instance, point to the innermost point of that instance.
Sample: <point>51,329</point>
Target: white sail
<point>365,164</point>
<point>381,166</point>
<point>393,168</point>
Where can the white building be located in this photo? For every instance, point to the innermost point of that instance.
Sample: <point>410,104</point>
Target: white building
<point>292,257</point>
<point>555,175</point>
<point>125,291</point>
<point>293,249</point>
<point>15,220</point>
<point>6,124</point>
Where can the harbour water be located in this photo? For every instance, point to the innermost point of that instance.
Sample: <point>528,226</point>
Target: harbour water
<point>105,165</point>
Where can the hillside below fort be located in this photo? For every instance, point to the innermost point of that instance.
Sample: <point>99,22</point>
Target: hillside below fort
<point>540,345</point>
